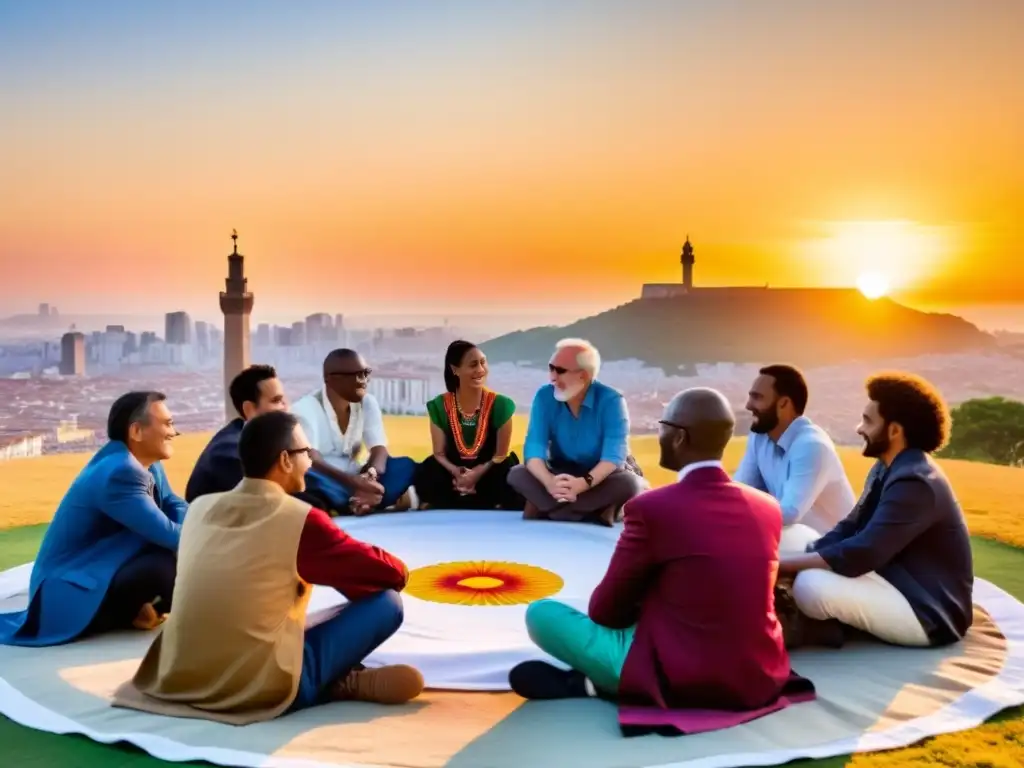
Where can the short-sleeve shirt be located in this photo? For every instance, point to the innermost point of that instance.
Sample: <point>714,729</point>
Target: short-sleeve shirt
<point>502,410</point>
<point>341,449</point>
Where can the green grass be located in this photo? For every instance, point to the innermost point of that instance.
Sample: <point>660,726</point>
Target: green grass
<point>25,748</point>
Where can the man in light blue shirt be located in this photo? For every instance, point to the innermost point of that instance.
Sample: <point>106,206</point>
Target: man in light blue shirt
<point>793,459</point>
<point>577,466</point>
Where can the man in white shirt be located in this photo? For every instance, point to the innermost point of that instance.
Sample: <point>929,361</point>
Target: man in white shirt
<point>340,419</point>
<point>793,459</point>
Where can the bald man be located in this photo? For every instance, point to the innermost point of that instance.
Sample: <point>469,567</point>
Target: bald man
<point>340,419</point>
<point>577,466</point>
<point>684,617</point>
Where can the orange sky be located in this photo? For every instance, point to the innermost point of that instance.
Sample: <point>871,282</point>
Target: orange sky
<point>484,158</point>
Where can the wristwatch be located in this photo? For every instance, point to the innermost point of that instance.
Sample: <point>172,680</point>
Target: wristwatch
<point>589,478</point>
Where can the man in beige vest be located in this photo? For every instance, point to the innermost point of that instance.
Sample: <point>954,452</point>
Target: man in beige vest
<point>234,648</point>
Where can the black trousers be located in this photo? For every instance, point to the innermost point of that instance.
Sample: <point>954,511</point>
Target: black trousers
<point>141,580</point>
<point>434,487</point>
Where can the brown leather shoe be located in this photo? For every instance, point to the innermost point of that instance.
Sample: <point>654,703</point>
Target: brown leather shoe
<point>530,512</point>
<point>607,516</point>
<point>395,684</point>
<point>147,618</point>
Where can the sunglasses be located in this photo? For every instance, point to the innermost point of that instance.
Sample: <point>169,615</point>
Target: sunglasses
<point>557,369</point>
<point>672,424</point>
<point>365,373</point>
<point>295,451</point>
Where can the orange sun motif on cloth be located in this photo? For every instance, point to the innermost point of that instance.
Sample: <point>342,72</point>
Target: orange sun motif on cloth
<point>482,582</point>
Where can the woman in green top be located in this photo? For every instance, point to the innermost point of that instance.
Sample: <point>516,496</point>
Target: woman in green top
<point>471,432</point>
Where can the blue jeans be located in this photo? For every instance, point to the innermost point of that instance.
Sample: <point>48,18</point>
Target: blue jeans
<point>333,648</point>
<point>397,477</point>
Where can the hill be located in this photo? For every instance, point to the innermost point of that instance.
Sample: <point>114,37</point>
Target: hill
<point>751,325</point>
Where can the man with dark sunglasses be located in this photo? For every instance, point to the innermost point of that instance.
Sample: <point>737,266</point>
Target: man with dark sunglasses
<point>341,419</point>
<point>577,463</point>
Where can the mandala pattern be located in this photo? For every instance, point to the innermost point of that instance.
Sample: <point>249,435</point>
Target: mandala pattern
<point>482,582</point>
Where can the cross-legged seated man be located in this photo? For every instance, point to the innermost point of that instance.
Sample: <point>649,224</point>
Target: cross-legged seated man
<point>577,463</point>
<point>107,560</point>
<point>684,616</point>
<point>340,419</point>
<point>899,567</point>
<point>254,391</point>
<point>793,459</point>
<point>235,648</point>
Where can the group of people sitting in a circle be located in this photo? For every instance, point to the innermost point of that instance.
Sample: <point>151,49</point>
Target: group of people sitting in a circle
<point>712,582</point>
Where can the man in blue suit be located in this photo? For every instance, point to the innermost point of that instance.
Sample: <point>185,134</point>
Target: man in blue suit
<point>108,559</point>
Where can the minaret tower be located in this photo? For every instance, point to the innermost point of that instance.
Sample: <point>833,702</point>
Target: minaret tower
<point>236,304</point>
<point>687,261</point>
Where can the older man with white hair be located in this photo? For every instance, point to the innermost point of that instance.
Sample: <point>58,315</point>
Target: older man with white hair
<point>577,466</point>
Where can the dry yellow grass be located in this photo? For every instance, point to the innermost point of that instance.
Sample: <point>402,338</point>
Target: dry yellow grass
<point>992,496</point>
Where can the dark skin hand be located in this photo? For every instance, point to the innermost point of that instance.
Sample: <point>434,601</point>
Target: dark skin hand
<point>346,375</point>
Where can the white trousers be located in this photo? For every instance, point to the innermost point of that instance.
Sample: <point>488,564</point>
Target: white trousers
<point>796,537</point>
<point>868,603</point>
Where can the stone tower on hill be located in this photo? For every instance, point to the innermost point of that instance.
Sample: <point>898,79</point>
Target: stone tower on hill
<point>236,304</point>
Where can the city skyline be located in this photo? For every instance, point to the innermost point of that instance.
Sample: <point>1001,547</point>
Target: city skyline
<point>515,157</point>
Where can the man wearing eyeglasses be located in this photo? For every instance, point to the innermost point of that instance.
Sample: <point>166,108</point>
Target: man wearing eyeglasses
<point>577,464</point>
<point>236,648</point>
<point>341,419</point>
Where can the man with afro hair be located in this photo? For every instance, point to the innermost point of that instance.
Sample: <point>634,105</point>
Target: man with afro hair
<point>899,566</point>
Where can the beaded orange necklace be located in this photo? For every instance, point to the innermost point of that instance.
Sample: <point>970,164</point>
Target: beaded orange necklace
<point>451,407</point>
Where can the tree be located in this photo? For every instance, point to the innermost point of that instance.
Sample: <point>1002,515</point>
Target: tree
<point>987,429</point>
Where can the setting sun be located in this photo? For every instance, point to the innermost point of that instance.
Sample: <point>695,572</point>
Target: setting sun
<point>883,257</point>
<point>874,285</point>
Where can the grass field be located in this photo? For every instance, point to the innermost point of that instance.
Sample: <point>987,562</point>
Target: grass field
<point>992,497</point>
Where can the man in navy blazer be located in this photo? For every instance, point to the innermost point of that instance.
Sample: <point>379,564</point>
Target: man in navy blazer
<point>899,567</point>
<point>218,469</point>
<point>108,559</point>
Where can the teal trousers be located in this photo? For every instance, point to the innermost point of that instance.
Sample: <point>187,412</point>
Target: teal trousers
<point>571,637</point>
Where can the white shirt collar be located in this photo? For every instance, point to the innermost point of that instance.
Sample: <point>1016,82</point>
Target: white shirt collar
<point>698,465</point>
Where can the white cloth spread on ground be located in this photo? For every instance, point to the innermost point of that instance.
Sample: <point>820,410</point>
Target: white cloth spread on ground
<point>871,696</point>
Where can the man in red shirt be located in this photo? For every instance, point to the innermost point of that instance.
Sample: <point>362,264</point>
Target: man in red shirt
<point>684,617</point>
<point>235,648</point>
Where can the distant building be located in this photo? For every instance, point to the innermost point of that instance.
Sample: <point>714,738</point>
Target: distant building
<point>402,393</point>
<point>178,328</point>
<point>686,287</point>
<point>72,354</point>
<point>263,335</point>
<point>319,328</point>
<point>21,446</point>
<point>236,303</point>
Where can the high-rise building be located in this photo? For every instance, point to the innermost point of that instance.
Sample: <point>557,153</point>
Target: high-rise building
<point>178,328</point>
<point>236,304</point>
<point>202,330</point>
<point>72,354</point>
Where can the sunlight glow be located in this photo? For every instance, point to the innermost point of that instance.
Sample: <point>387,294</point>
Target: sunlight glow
<point>880,257</point>
<point>874,285</point>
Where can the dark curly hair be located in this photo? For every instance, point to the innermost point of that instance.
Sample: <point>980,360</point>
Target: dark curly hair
<point>915,405</point>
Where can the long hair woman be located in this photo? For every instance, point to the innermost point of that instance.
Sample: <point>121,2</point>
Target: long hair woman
<point>471,434</point>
